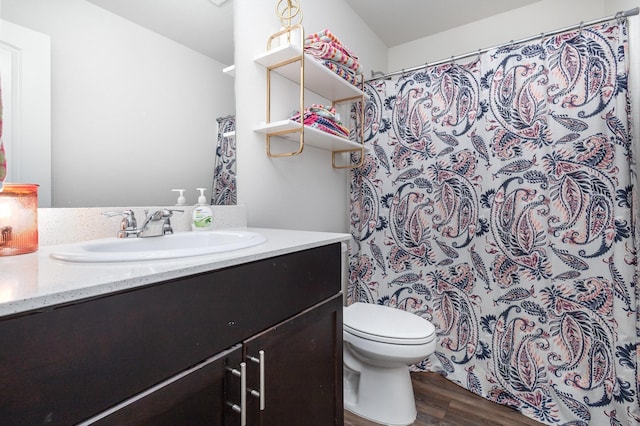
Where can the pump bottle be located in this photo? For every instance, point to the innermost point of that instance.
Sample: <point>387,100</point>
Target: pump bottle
<point>202,216</point>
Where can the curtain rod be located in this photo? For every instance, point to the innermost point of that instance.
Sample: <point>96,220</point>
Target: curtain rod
<point>376,75</point>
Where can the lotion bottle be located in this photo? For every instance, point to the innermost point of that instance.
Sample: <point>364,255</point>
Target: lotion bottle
<point>181,201</point>
<point>202,216</point>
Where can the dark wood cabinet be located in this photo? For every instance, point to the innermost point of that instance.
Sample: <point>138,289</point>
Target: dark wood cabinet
<point>300,386</point>
<point>162,354</point>
<point>195,397</point>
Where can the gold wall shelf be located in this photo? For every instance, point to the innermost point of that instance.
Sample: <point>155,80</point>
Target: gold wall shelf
<point>314,137</point>
<point>290,62</point>
<point>318,78</point>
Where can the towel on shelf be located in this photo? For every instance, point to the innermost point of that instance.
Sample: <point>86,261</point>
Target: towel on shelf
<point>328,37</point>
<point>322,118</point>
<point>327,126</point>
<point>352,78</point>
<point>327,51</point>
<point>326,47</point>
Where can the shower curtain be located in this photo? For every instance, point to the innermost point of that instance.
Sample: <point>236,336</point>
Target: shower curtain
<point>497,200</point>
<point>224,191</point>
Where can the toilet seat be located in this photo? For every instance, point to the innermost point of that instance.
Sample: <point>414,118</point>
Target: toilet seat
<point>387,325</point>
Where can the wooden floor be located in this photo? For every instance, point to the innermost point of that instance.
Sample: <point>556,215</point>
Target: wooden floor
<point>443,403</point>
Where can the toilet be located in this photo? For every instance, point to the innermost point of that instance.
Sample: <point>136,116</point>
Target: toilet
<point>379,345</point>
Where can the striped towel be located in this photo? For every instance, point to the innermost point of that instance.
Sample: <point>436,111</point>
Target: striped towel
<point>328,51</point>
<point>322,118</point>
<point>354,79</point>
<point>327,36</point>
<point>326,47</point>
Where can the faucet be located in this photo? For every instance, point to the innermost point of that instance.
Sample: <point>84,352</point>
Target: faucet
<point>155,224</point>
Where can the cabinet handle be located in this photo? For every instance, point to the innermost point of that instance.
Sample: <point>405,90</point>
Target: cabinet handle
<point>242,408</point>
<point>259,393</point>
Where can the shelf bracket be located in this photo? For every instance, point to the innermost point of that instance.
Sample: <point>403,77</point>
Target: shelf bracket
<point>300,58</point>
<point>285,132</point>
<point>349,166</point>
<point>360,128</point>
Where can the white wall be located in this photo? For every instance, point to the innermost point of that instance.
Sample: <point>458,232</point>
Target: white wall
<point>302,192</point>
<point>133,113</point>
<point>25,67</point>
<point>613,6</point>
<point>543,16</point>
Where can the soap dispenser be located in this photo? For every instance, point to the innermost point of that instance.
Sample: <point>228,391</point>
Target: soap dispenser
<point>181,201</point>
<point>202,217</point>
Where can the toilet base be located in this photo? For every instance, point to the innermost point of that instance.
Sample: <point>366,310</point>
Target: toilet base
<point>381,395</point>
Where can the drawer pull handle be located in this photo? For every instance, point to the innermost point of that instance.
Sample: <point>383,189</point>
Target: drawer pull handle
<point>259,393</point>
<point>242,408</point>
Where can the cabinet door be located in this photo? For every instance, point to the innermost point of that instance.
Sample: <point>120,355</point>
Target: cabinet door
<point>302,369</point>
<point>197,396</point>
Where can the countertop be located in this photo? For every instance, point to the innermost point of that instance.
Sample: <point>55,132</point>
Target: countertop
<point>35,281</point>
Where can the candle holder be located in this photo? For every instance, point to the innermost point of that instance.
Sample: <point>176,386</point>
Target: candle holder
<point>18,219</point>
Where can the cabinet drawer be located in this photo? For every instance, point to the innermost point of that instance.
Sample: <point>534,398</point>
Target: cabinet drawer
<point>68,363</point>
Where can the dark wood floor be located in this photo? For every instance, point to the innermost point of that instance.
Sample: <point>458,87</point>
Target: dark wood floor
<point>443,403</point>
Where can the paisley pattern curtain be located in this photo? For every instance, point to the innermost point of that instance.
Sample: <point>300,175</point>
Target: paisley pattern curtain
<point>224,190</point>
<point>496,200</point>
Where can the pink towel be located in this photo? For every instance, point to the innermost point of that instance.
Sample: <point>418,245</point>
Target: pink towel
<point>327,36</point>
<point>326,47</point>
<point>322,118</point>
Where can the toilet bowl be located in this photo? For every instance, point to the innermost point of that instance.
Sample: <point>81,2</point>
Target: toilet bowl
<point>379,345</point>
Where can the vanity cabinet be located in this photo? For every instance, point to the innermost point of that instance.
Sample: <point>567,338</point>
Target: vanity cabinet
<point>170,352</point>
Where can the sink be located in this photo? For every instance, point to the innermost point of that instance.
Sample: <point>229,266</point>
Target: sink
<point>182,244</point>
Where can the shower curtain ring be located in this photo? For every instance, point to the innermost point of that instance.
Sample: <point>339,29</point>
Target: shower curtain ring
<point>620,17</point>
<point>580,28</point>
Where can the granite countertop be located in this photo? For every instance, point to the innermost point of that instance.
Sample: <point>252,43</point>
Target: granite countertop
<point>36,281</point>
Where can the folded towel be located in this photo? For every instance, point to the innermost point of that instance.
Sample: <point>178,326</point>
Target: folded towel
<point>327,48</point>
<point>325,125</point>
<point>354,79</point>
<point>328,36</point>
<point>322,118</point>
<point>328,112</point>
<point>332,53</point>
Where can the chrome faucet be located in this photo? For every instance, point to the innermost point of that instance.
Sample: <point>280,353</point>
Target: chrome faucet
<point>128,224</point>
<point>155,224</point>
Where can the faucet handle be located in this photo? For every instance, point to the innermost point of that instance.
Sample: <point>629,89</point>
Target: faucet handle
<point>166,215</point>
<point>127,216</point>
<point>170,212</point>
<point>128,225</point>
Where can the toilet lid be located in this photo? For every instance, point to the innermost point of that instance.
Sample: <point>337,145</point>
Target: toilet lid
<point>385,324</point>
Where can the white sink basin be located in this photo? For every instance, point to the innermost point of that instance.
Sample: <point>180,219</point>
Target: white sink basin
<point>182,244</point>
